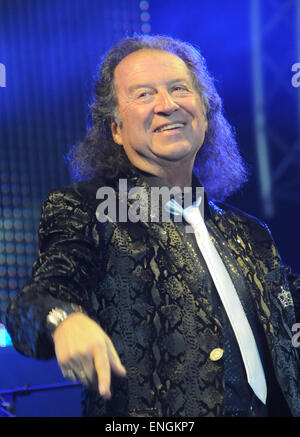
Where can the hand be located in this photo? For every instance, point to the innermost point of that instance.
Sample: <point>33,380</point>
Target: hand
<point>82,346</point>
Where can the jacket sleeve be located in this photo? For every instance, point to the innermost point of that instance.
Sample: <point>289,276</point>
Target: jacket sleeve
<point>65,271</point>
<point>294,285</point>
<point>292,278</point>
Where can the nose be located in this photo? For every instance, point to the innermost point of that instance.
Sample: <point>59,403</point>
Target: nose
<point>165,104</point>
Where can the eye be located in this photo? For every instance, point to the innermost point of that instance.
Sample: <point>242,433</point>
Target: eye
<point>180,89</point>
<point>144,94</point>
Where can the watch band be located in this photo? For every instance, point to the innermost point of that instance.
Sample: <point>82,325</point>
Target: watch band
<point>57,315</point>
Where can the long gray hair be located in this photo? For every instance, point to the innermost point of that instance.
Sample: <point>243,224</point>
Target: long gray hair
<point>218,163</point>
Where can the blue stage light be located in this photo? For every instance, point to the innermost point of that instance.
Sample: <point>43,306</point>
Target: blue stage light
<point>5,339</point>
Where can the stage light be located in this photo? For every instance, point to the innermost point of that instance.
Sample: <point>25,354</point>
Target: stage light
<point>145,17</point>
<point>146,28</point>
<point>5,339</point>
<point>144,5</point>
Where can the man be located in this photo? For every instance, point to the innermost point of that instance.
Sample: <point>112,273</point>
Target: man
<point>134,309</point>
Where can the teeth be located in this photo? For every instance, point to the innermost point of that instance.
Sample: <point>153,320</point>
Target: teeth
<point>169,126</point>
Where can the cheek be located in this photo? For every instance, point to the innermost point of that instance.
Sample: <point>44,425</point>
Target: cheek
<point>136,120</point>
<point>200,126</point>
<point>201,120</point>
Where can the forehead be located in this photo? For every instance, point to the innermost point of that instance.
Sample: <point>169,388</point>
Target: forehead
<point>150,65</point>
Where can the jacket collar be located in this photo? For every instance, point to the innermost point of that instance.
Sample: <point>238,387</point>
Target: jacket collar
<point>148,181</point>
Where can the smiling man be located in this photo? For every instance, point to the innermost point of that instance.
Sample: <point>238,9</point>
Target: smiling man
<point>153,320</point>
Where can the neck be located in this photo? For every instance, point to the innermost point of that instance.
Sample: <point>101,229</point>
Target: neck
<point>179,179</point>
<point>179,175</point>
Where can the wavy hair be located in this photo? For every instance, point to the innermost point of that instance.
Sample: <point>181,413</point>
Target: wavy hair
<point>218,163</point>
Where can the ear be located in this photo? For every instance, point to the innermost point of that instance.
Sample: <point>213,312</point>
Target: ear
<point>116,133</point>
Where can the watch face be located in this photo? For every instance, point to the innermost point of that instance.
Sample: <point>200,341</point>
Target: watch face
<point>56,316</point>
<point>51,318</point>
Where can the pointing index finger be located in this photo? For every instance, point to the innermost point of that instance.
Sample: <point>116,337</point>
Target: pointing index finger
<point>102,367</point>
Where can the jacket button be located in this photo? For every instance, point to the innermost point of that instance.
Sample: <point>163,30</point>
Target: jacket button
<point>216,354</point>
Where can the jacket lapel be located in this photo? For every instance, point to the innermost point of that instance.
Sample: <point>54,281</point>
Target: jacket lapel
<point>240,247</point>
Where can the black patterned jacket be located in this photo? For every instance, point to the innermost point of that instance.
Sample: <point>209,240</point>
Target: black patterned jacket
<point>140,282</point>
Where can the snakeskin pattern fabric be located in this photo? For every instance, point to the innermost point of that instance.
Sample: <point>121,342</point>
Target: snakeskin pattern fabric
<point>143,285</point>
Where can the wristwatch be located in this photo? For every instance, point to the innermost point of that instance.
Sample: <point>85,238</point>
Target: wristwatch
<point>57,315</point>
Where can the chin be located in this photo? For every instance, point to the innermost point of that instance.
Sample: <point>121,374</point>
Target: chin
<point>175,153</point>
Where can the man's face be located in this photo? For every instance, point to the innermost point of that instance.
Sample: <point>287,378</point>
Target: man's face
<point>161,113</point>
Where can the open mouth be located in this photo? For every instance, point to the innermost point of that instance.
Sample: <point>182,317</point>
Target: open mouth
<point>169,127</point>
